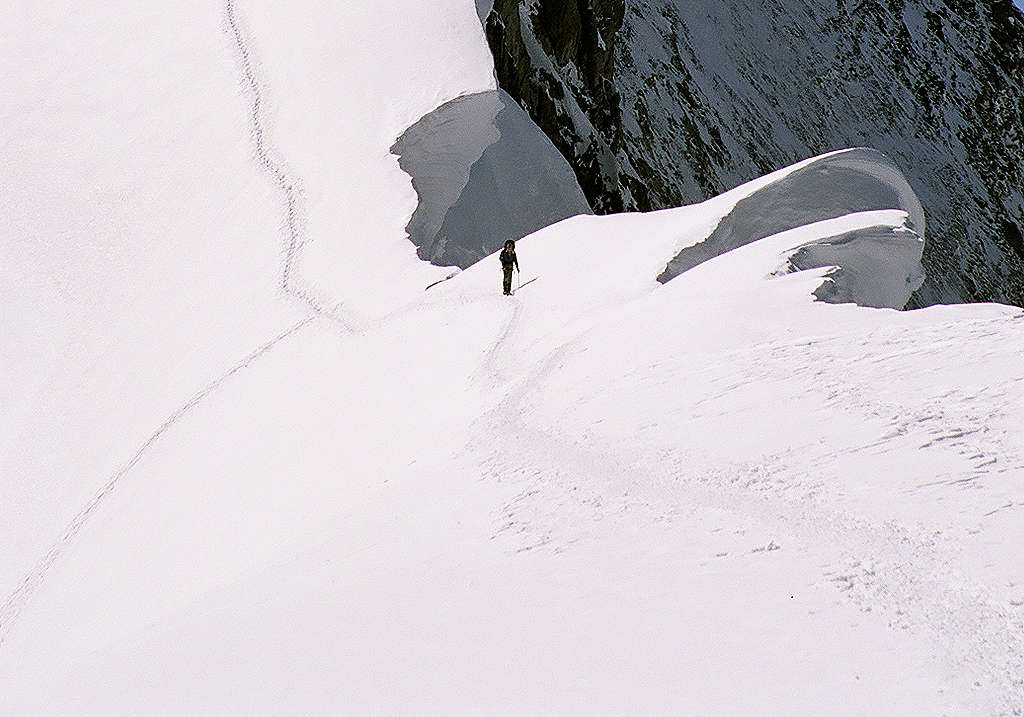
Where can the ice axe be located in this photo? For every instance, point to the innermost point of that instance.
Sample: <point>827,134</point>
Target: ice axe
<point>526,284</point>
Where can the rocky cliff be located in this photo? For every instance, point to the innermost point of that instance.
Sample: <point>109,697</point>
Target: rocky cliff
<point>657,103</point>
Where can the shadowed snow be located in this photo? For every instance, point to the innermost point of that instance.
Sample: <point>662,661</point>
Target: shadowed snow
<point>484,173</point>
<point>877,265</point>
<point>483,8</point>
<point>830,186</point>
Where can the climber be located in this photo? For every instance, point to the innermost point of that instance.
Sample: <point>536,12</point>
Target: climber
<point>508,260</point>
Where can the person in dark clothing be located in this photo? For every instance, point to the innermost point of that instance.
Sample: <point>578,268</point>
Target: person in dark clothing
<point>508,261</point>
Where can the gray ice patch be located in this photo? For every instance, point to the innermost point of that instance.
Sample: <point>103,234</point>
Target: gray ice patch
<point>856,180</point>
<point>484,173</point>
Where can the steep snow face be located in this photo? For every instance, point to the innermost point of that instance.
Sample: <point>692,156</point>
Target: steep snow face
<point>681,100</point>
<point>484,173</point>
<point>321,69</point>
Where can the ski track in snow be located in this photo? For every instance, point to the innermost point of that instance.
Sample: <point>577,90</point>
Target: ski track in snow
<point>543,503</point>
<point>15,602</point>
<point>275,167</point>
<point>13,605</point>
<point>489,362</point>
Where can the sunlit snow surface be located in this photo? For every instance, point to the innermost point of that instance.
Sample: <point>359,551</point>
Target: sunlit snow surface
<point>225,491</point>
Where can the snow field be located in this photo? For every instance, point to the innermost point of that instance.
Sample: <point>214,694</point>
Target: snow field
<point>153,229</point>
<point>583,512</point>
<point>601,495</point>
<point>141,251</point>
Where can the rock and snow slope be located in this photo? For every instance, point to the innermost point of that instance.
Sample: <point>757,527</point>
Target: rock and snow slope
<point>657,103</point>
<point>240,475</point>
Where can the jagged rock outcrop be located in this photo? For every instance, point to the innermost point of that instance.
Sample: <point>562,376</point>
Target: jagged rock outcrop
<point>657,103</point>
<point>556,59</point>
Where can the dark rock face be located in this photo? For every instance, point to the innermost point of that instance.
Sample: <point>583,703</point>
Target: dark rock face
<point>657,103</point>
<point>557,62</point>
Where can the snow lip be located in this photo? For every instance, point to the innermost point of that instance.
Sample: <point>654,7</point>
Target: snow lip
<point>877,265</point>
<point>826,187</point>
<point>872,259</point>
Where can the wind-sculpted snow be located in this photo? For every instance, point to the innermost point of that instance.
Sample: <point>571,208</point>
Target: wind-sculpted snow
<point>878,266</point>
<point>322,70</point>
<point>484,173</point>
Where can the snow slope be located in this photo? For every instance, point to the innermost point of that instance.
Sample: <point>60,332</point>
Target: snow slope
<point>169,198</point>
<point>141,246</point>
<point>240,485</point>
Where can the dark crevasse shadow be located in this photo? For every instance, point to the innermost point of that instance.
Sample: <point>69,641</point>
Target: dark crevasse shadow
<point>484,173</point>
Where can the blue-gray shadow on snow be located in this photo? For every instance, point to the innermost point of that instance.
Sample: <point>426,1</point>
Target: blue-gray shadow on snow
<point>484,173</point>
<point>877,266</point>
<point>483,9</point>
